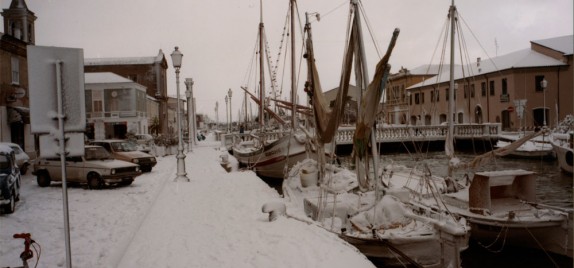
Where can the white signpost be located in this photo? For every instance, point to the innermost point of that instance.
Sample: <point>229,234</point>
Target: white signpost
<point>57,109</point>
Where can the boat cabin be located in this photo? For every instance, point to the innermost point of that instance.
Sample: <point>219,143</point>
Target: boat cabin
<point>497,191</point>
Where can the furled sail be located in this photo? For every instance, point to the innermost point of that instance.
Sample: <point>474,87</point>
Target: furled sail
<point>370,101</point>
<point>327,118</point>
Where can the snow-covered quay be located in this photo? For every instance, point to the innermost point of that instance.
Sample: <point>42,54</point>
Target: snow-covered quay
<point>215,220</point>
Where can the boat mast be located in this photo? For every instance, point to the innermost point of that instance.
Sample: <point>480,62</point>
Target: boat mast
<point>363,82</point>
<point>449,147</point>
<point>261,72</point>
<point>293,82</point>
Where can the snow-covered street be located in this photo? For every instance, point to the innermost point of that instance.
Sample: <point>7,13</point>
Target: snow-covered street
<point>213,221</point>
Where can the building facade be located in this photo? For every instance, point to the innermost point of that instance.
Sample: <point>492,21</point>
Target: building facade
<point>14,102</point>
<point>506,89</point>
<point>149,72</point>
<point>115,106</point>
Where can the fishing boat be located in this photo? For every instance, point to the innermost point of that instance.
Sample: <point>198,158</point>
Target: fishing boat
<point>500,206</point>
<point>269,150</point>
<point>562,140</point>
<point>356,205</point>
<point>539,148</point>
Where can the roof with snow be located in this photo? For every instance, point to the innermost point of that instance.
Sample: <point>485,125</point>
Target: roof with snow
<point>564,44</point>
<point>520,59</point>
<point>125,61</point>
<point>105,77</point>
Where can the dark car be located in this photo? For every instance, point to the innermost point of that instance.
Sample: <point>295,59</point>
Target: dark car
<point>126,151</point>
<point>9,180</point>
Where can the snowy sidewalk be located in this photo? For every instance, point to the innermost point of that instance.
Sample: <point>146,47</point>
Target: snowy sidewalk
<point>216,221</point>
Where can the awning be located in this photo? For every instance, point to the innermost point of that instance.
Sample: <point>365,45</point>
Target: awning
<point>18,114</point>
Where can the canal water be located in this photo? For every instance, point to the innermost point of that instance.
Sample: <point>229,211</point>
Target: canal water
<point>553,188</point>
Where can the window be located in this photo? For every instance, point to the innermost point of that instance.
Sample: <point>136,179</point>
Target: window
<point>422,97</point>
<point>15,71</point>
<point>483,89</point>
<point>133,77</point>
<point>491,88</point>
<point>417,98</point>
<point>465,91</point>
<point>447,94</point>
<point>472,91</point>
<point>504,86</point>
<point>537,80</point>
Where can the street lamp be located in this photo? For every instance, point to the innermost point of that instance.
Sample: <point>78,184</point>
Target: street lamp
<point>544,84</point>
<point>226,113</point>
<point>230,110</point>
<point>189,96</point>
<point>408,108</point>
<point>181,175</point>
<point>216,115</point>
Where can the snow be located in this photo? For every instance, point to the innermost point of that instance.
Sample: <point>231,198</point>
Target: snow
<point>216,220</point>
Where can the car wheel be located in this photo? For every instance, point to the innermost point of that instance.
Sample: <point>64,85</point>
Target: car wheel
<point>43,179</point>
<point>146,169</point>
<point>95,181</point>
<point>10,207</point>
<point>24,169</point>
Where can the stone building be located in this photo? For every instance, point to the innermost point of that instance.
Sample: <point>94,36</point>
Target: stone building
<point>114,106</point>
<point>506,89</point>
<point>149,72</point>
<point>14,103</point>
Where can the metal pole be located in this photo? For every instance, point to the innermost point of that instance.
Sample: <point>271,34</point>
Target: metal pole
<point>181,174</point>
<point>544,108</point>
<point>189,115</point>
<point>226,115</point>
<point>62,140</point>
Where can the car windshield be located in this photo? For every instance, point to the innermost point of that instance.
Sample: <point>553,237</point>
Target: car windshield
<point>16,149</point>
<point>123,147</point>
<point>4,162</point>
<point>96,153</point>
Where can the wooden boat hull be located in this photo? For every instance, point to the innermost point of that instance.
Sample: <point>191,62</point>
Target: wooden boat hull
<point>565,157</point>
<point>550,236</point>
<point>270,160</point>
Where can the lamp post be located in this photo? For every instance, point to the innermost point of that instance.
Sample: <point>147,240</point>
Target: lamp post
<point>408,108</point>
<point>544,84</point>
<point>216,115</point>
<point>189,96</point>
<point>229,92</point>
<point>181,175</point>
<point>226,114</point>
<point>189,84</point>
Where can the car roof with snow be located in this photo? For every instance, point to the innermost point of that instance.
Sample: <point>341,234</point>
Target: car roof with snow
<point>5,149</point>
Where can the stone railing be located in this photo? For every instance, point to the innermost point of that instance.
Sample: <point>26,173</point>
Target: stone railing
<point>424,133</point>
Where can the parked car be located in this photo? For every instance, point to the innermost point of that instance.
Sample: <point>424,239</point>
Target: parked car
<point>96,168</point>
<point>22,159</point>
<point>144,142</point>
<point>10,180</point>
<point>124,150</point>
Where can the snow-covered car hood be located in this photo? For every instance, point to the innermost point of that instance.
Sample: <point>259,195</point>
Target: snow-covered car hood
<point>134,154</point>
<point>111,163</point>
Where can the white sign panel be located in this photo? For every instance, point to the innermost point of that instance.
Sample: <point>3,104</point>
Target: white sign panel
<point>43,83</point>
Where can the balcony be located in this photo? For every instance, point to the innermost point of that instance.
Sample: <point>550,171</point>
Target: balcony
<point>504,97</point>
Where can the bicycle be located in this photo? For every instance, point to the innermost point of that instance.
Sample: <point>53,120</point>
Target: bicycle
<point>28,254</point>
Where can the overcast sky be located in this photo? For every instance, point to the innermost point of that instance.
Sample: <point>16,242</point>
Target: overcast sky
<point>217,37</point>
